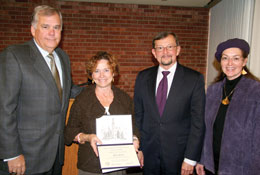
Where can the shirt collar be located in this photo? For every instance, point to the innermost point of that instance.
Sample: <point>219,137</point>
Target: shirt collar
<point>172,69</point>
<point>43,52</point>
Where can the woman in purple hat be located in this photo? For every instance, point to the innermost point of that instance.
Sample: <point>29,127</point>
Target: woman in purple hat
<point>232,116</point>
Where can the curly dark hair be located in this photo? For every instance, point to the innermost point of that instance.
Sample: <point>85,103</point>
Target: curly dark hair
<point>102,55</point>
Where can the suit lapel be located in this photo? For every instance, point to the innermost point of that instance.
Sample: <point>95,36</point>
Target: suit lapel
<point>151,89</point>
<point>176,88</point>
<point>42,68</point>
<point>65,77</point>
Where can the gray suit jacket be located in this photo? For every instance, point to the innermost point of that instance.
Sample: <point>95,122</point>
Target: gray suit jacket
<point>31,113</point>
<point>178,133</point>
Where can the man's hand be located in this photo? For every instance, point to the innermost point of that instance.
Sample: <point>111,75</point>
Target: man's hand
<point>140,156</point>
<point>186,169</point>
<point>136,144</point>
<point>17,165</point>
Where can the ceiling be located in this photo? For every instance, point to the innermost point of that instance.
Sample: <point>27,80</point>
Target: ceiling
<point>183,3</point>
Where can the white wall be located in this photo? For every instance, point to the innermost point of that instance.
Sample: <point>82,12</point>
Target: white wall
<point>254,61</point>
<point>228,19</point>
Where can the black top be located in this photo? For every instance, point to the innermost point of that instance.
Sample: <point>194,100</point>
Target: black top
<point>220,119</point>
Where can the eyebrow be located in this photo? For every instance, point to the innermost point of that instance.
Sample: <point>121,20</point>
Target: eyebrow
<point>232,56</point>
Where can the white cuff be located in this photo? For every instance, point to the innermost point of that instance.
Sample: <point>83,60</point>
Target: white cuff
<point>5,160</point>
<point>190,162</point>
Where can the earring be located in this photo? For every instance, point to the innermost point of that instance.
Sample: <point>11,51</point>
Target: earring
<point>244,72</point>
<point>113,80</point>
<point>93,81</point>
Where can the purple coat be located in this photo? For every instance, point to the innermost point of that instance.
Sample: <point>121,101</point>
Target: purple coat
<point>240,146</point>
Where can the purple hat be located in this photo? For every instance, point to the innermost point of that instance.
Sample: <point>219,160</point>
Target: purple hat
<point>236,42</point>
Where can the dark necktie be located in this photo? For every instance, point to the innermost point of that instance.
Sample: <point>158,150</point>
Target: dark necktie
<point>162,92</point>
<point>55,74</point>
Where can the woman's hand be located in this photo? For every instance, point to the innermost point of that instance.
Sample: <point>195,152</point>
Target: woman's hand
<point>93,140</point>
<point>81,138</point>
<point>200,169</point>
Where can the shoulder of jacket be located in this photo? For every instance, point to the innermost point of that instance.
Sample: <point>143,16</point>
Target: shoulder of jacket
<point>59,50</point>
<point>252,86</point>
<point>119,92</point>
<point>88,91</point>
<point>147,71</point>
<point>23,47</point>
<point>215,85</point>
<point>189,70</point>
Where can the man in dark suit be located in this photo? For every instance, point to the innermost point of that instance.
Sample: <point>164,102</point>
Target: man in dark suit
<point>35,90</point>
<point>170,117</point>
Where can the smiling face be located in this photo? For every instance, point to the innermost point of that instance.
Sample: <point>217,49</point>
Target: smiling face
<point>232,63</point>
<point>103,74</point>
<point>166,51</point>
<point>47,32</point>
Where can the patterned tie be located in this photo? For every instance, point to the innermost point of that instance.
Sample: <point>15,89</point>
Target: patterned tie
<point>162,92</point>
<point>55,74</point>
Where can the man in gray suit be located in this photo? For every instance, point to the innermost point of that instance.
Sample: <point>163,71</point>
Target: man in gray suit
<point>169,111</point>
<point>34,101</point>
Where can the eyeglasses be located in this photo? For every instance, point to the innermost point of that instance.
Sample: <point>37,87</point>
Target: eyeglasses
<point>161,48</point>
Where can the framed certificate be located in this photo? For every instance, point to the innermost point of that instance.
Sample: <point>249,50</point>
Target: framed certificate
<point>117,156</point>
<point>117,150</point>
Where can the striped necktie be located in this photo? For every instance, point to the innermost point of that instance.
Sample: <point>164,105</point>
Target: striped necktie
<point>55,74</point>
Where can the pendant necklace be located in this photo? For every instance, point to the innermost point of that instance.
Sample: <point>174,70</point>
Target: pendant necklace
<point>225,101</point>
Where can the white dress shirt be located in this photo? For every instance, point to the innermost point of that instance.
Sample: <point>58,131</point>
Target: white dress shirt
<point>169,77</point>
<point>48,61</point>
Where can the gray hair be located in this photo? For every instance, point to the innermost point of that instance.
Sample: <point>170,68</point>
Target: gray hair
<point>44,10</point>
<point>163,35</point>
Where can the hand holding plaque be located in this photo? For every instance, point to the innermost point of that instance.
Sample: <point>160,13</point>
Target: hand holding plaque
<point>117,150</point>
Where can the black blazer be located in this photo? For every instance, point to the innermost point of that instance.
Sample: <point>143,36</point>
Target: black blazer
<point>31,113</point>
<point>178,134</point>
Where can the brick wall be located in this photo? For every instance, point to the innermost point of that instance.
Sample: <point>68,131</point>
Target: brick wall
<point>123,30</point>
